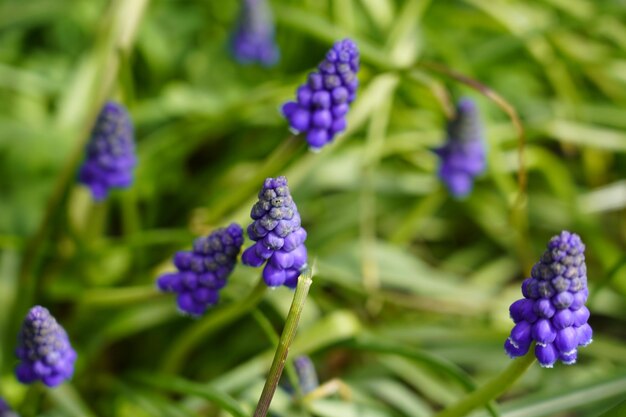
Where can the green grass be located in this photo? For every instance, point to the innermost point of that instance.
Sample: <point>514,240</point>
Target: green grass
<point>409,304</point>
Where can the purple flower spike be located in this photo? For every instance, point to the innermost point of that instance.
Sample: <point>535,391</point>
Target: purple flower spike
<point>110,153</point>
<point>462,157</point>
<point>278,235</point>
<point>44,350</point>
<point>253,39</point>
<point>203,271</point>
<point>322,103</point>
<point>555,296</point>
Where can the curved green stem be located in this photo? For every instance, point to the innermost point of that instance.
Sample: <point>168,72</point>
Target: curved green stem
<point>280,357</point>
<point>186,342</point>
<point>491,390</point>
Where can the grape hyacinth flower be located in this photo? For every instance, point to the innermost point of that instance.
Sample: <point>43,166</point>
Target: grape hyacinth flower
<point>253,39</point>
<point>278,235</point>
<point>203,271</point>
<point>322,103</point>
<point>110,158</point>
<point>462,157</point>
<point>552,312</point>
<point>44,350</point>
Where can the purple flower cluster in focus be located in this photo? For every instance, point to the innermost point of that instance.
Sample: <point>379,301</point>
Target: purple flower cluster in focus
<point>110,158</point>
<point>278,235</point>
<point>462,157</point>
<point>323,102</point>
<point>253,39</point>
<point>202,272</point>
<point>552,312</point>
<point>44,350</point>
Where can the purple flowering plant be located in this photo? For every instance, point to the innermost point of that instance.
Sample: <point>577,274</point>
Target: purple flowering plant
<point>44,350</point>
<point>110,154</point>
<point>322,103</point>
<point>204,270</point>
<point>552,313</point>
<point>462,156</point>
<point>409,310</point>
<point>278,235</point>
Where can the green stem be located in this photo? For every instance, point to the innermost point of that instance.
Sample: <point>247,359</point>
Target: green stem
<point>215,321</point>
<point>280,357</point>
<point>491,390</point>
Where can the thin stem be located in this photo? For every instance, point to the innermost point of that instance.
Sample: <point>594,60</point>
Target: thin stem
<point>280,357</point>
<point>491,390</point>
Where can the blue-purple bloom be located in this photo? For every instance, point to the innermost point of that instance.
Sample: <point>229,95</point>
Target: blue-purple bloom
<point>462,157</point>
<point>278,235</point>
<point>552,312</point>
<point>322,103</point>
<point>203,271</point>
<point>253,39</point>
<point>307,375</point>
<point>110,154</point>
<point>44,350</point>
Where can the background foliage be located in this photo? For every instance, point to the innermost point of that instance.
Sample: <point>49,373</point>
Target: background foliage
<point>409,302</point>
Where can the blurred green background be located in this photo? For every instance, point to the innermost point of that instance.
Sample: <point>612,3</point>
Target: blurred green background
<point>410,299</point>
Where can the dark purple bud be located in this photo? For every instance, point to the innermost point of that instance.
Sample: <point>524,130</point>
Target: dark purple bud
<point>514,349</point>
<point>543,332</point>
<point>273,276</point>
<point>291,278</point>
<point>253,38</point>
<point>321,100</point>
<point>584,335</point>
<point>566,339</point>
<point>304,96</point>
<point>581,316</point>
<point>562,300</point>
<point>544,308</point>
<point>547,355</point>
<point>282,259</point>
<point>562,319</point>
<point>521,309</point>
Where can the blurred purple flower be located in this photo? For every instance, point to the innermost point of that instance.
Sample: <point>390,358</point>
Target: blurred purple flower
<point>462,157</point>
<point>253,39</point>
<point>203,271</point>
<point>44,350</point>
<point>278,235</point>
<point>552,312</point>
<point>322,103</point>
<point>110,154</point>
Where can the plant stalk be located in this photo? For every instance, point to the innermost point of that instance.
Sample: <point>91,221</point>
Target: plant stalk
<point>491,390</point>
<point>280,357</point>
